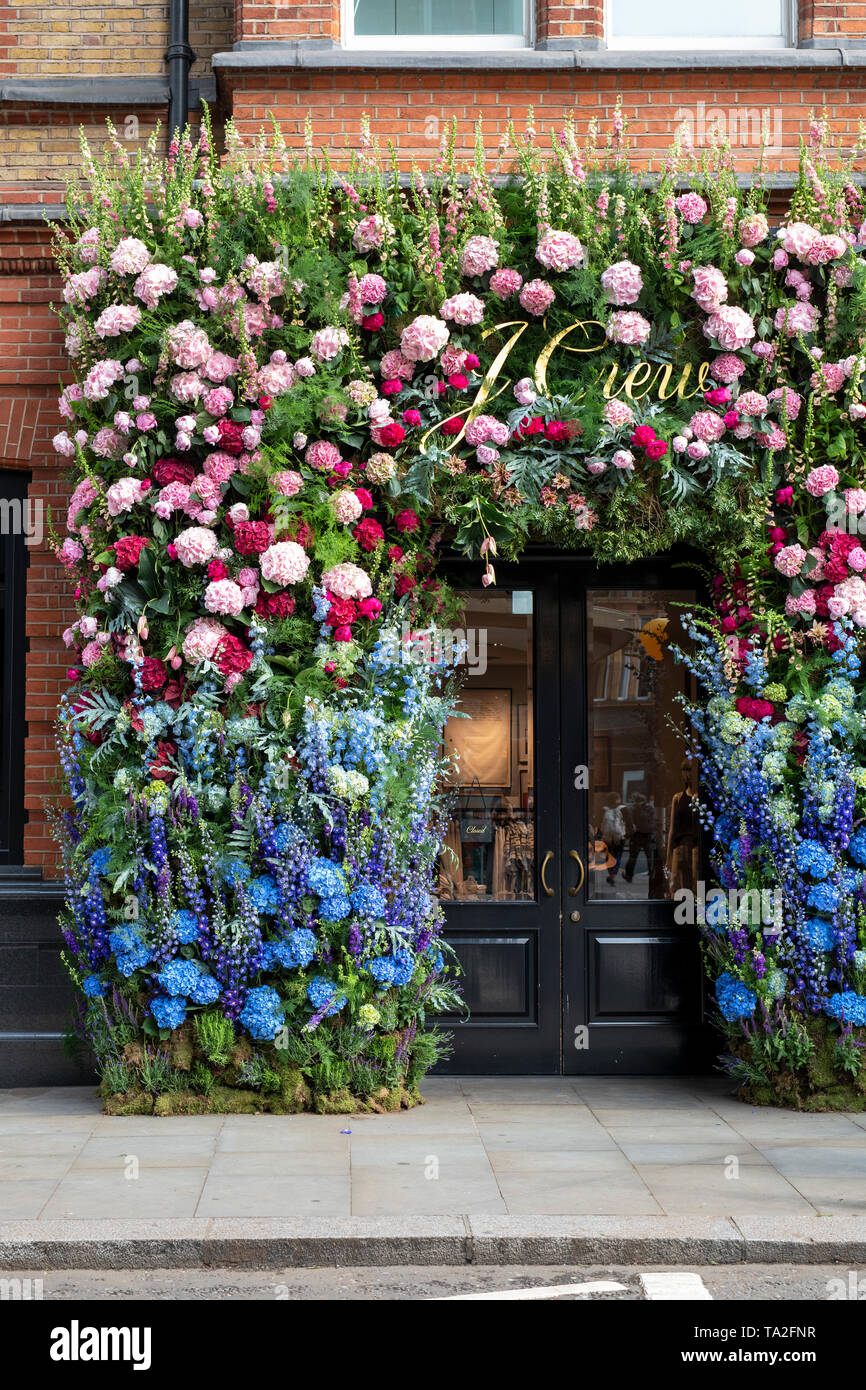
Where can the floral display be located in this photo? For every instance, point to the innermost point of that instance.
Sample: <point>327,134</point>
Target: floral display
<point>293,387</point>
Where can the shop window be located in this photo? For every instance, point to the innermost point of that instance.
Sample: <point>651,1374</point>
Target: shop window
<point>437,24</point>
<point>683,24</point>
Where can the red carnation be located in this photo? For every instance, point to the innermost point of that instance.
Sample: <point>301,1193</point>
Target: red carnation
<point>471,361</point>
<point>458,380</point>
<point>557,430</point>
<point>656,449</point>
<point>231,437</point>
<point>530,425</point>
<point>217,570</point>
<point>341,613</point>
<point>369,608</point>
<point>753,708</point>
<point>392,387</point>
<point>154,674</point>
<point>265,402</point>
<point>251,537</point>
<point>395,554</point>
<point>364,497</point>
<point>452,426</point>
<point>373,321</point>
<point>127,551</point>
<point>392,434</point>
<point>368,533</point>
<point>642,436</point>
<point>407,522</point>
<point>172,470</point>
<point>412,417</point>
<point>403,584</point>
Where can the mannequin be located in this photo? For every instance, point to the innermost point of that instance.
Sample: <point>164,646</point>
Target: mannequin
<point>683,848</point>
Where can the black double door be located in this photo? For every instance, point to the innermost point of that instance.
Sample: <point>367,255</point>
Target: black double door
<point>574,826</point>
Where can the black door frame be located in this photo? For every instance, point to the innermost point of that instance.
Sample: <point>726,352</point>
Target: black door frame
<point>13,487</point>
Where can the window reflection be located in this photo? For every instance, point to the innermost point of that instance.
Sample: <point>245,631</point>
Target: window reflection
<point>643,824</point>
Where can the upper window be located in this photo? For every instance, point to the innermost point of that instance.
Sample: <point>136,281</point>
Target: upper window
<point>682,23</point>
<point>437,23</point>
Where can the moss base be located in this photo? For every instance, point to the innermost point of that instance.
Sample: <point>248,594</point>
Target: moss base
<point>226,1100</point>
<point>807,1075</point>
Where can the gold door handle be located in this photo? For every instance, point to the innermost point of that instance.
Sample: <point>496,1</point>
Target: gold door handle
<point>573,854</point>
<point>548,892</point>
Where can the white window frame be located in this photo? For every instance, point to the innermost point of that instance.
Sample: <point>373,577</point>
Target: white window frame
<point>788,39</point>
<point>437,43</point>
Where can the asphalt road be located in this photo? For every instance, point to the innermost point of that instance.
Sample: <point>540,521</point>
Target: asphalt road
<point>725,1282</point>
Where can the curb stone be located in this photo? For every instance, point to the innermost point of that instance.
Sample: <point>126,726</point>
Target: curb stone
<point>445,1240</point>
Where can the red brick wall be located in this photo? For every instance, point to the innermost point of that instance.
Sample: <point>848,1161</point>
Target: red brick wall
<point>261,20</point>
<point>32,362</point>
<point>580,23</point>
<point>412,108</point>
<point>826,19</point>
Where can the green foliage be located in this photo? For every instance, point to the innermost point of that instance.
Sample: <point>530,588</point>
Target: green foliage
<point>215,1036</point>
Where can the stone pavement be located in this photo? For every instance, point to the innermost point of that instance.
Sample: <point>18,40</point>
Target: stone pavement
<point>507,1161</point>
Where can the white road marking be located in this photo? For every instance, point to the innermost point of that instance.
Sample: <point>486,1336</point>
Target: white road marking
<point>678,1285</point>
<point>550,1291</point>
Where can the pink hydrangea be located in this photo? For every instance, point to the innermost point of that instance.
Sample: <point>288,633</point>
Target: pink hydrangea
<point>129,257</point>
<point>188,345</point>
<point>196,545</point>
<point>464,309</point>
<point>707,426</point>
<point>797,318</point>
<point>266,279</point>
<point>379,468</point>
<point>287,483</point>
<point>537,297</point>
<point>218,401</point>
<point>70,552</point>
<point>830,376</point>
<point>486,455</point>
<point>394,366</point>
<point>117,319</point>
<point>483,428</point>
<point>219,365</point>
<point>87,246</point>
<point>284,563</point>
<point>789,560</point>
<point>207,490</point>
<point>328,343</point>
<point>345,506</point>
<point>84,496</point>
<point>803,605</point>
<point>727,367</point>
<point>851,597</point>
<point>627,326</point>
<point>220,466</point>
<point>797,239</point>
<point>186,387</point>
<point>828,247</point>
<point>108,443</point>
<point>101,378</point>
<point>347,581</point>
<point>559,251</point>
<point>480,254</point>
<point>371,232</point>
<point>323,455</point>
<point>123,495</point>
<point>423,339</point>
<point>732,328</point>
<point>224,596</point>
<point>505,283</point>
<point>172,498</point>
<point>154,283</point>
<point>372,289</point>
<point>622,282</point>
<point>691,208</point>
<point>822,480</point>
<point>855,500</point>
<point>788,402</point>
<point>752,403</point>
<point>63,445</point>
<point>710,289</point>
<point>774,439</point>
<point>275,378</point>
<point>857,558</point>
<point>78,289</point>
<point>202,639</point>
<point>753,229</point>
<point>617,413</point>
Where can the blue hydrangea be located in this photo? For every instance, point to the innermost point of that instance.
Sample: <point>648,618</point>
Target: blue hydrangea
<point>818,934</point>
<point>823,897</point>
<point>94,986</point>
<point>776,982</point>
<point>368,900</point>
<point>858,960</point>
<point>262,893</point>
<point>303,943</point>
<point>736,1000</point>
<point>284,837</point>
<point>404,967</point>
<point>185,925</point>
<point>814,859</point>
<point>207,990</point>
<point>178,977</point>
<point>437,960</point>
<point>334,908</point>
<point>277,953</point>
<point>133,960</point>
<point>857,846</point>
<point>262,1014</point>
<point>235,871</point>
<point>324,996</point>
<point>849,1005</point>
<point>382,969</point>
<point>99,860</point>
<point>324,877</point>
<point>850,880</point>
<point>168,1010</point>
<point>123,939</point>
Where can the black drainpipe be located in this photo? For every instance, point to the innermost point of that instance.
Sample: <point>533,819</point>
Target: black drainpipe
<point>180,58</point>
